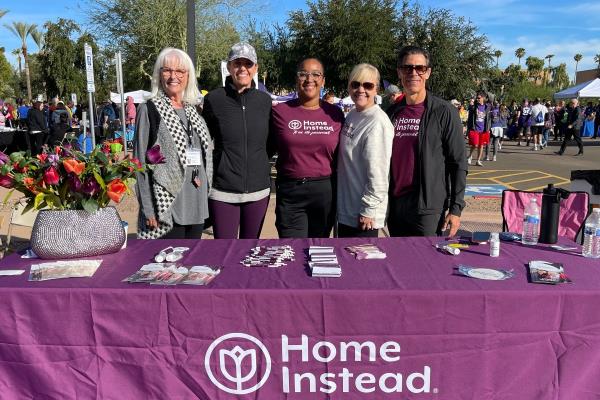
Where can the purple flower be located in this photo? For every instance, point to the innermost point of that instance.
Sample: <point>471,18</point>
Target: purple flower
<point>74,183</point>
<point>3,158</point>
<point>53,159</point>
<point>7,181</point>
<point>90,186</point>
<point>154,156</point>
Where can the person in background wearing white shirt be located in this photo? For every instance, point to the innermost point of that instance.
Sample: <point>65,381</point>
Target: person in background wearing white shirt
<point>538,116</point>
<point>365,151</point>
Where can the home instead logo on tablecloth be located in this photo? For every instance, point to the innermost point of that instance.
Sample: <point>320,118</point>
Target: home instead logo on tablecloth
<point>239,363</point>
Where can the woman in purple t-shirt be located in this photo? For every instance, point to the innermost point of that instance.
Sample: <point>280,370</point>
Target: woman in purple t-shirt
<point>306,131</point>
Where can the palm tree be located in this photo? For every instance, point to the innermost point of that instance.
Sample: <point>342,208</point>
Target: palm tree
<point>38,38</point>
<point>549,58</point>
<point>577,58</point>
<point>597,59</point>
<point>520,53</point>
<point>497,54</point>
<point>17,53</point>
<point>2,13</point>
<point>23,30</point>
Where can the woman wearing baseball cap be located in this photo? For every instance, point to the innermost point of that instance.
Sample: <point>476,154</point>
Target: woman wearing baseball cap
<point>237,116</point>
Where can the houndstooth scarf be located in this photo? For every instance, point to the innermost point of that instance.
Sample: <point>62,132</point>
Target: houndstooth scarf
<point>162,197</point>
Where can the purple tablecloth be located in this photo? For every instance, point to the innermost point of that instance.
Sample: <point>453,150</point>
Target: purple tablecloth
<point>456,338</point>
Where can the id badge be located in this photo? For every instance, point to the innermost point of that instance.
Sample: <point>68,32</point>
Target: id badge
<point>193,156</point>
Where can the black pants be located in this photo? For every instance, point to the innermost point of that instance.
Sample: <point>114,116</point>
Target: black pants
<point>345,231</point>
<point>35,142</point>
<point>573,132</point>
<point>185,232</point>
<point>403,219</point>
<point>304,208</point>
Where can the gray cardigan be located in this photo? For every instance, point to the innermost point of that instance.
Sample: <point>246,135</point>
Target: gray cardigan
<point>191,203</point>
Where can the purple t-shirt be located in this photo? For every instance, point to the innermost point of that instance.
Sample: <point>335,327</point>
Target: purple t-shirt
<point>405,148</point>
<point>480,118</point>
<point>306,140</point>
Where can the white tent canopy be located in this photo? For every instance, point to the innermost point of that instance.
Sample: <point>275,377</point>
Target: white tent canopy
<point>586,89</point>
<point>139,96</point>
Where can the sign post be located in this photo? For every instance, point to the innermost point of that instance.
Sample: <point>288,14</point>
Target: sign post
<point>119,66</point>
<point>91,88</point>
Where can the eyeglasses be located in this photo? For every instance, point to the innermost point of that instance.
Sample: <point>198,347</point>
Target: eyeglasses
<point>408,69</point>
<point>367,85</point>
<point>303,75</point>
<point>179,73</point>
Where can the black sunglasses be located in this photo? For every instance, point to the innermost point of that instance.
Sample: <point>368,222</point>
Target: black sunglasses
<point>366,85</point>
<point>408,69</point>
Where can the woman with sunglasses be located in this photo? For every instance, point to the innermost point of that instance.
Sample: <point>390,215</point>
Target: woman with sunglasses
<point>363,159</point>
<point>237,116</point>
<point>306,133</point>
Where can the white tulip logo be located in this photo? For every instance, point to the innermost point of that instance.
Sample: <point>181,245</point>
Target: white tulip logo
<point>237,357</point>
<point>295,124</point>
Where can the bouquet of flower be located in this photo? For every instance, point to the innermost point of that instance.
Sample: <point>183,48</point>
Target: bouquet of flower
<point>63,178</point>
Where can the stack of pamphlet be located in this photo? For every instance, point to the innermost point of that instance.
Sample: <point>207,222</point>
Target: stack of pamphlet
<point>366,252</point>
<point>323,262</point>
<point>172,274</point>
<point>269,256</point>
<point>64,269</point>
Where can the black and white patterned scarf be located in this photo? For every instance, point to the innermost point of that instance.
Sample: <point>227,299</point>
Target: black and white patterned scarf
<point>163,199</point>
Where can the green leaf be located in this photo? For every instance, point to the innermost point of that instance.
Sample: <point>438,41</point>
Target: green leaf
<point>100,180</point>
<point>28,207</point>
<point>7,197</point>
<point>53,201</point>
<point>39,199</point>
<point>89,205</point>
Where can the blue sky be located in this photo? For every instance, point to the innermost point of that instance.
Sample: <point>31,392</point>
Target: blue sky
<point>541,27</point>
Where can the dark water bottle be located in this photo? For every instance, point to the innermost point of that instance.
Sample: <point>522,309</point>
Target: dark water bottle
<point>551,213</point>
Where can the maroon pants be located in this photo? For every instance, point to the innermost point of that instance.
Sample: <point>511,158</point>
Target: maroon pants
<point>228,218</point>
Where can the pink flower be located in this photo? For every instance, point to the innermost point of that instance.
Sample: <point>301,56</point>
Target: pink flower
<point>51,176</point>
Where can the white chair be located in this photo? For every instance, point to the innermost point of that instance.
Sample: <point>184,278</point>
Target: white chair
<point>17,218</point>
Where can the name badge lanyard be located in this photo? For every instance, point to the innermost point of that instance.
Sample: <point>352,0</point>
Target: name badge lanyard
<point>188,130</point>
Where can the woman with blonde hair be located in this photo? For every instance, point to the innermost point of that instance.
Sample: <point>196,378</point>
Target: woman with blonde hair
<point>364,155</point>
<point>173,197</point>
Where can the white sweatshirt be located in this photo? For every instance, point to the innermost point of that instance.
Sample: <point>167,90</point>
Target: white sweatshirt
<point>365,151</point>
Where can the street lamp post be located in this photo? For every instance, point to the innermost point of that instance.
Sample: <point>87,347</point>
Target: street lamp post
<point>191,30</point>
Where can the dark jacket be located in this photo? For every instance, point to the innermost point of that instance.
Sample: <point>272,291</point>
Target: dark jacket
<point>239,126</point>
<point>487,123</point>
<point>573,118</point>
<point>36,121</point>
<point>441,148</point>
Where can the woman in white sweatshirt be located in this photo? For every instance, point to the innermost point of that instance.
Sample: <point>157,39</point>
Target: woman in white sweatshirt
<point>364,156</point>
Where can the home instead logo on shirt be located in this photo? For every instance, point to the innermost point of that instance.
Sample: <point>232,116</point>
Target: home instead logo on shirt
<point>307,127</point>
<point>406,127</point>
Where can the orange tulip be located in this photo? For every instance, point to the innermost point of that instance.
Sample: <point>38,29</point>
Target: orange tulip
<point>116,189</point>
<point>72,165</point>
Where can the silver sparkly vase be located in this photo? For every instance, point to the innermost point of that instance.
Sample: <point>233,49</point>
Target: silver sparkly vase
<point>60,234</point>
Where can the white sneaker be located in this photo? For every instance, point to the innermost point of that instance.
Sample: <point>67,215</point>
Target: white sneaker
<point>470,160</point>
<point>479,163</point>
<point>494,159</point>
<point>488,159</point>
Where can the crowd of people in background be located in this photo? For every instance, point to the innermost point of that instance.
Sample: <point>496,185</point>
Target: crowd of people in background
<point>487,123</point>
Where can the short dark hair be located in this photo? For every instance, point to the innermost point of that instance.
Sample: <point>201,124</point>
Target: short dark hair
<point>409,50</point>
<point>310,58</point>
<point>329,94</point>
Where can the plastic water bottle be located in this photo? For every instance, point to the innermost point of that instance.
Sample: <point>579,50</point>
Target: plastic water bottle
<point>591,235</point>
<point>531,223</point>
<point>494,244</point>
